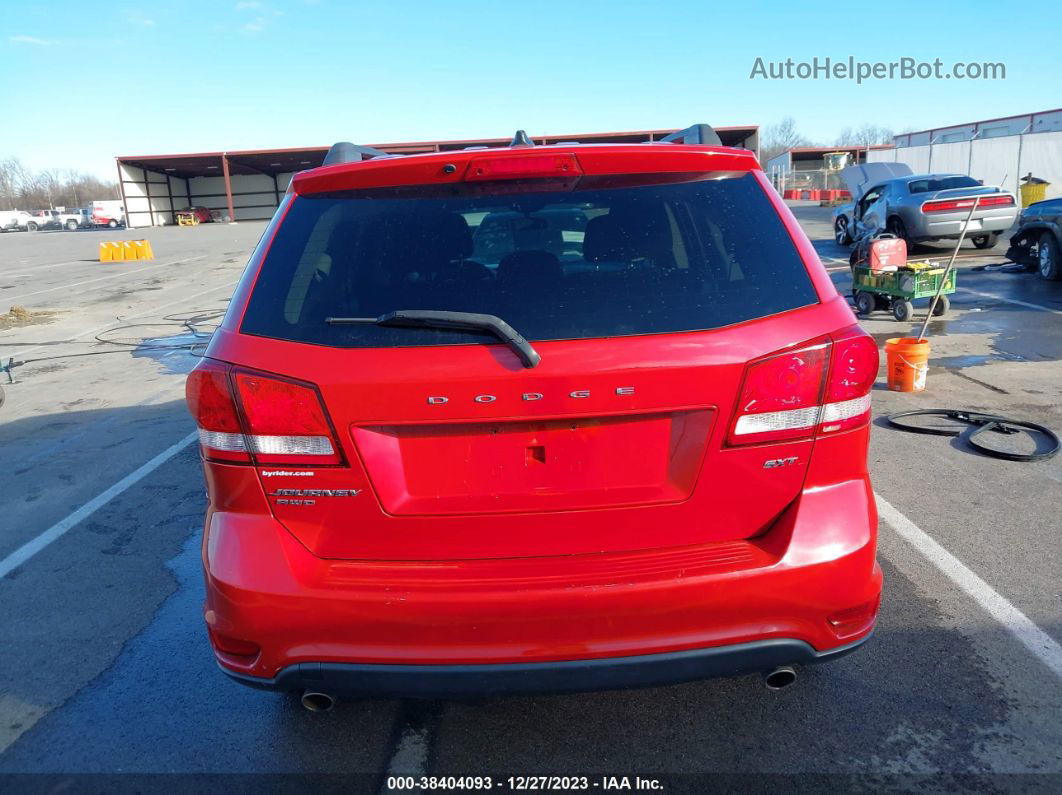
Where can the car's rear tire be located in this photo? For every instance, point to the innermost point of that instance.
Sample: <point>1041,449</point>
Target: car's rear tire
<point>864,302</point>
<point>942,307</point>
<point>902,310</point>
<point>32,227</point>
<point>71,226</point>
<point>1049,258</point>
<point>984,241</point>
<point>895,226</point>
<point>840,231</point>
<point>112,224</point>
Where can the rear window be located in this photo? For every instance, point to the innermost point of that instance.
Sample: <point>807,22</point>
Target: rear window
<point>567,264</point>
<point>941,183</point>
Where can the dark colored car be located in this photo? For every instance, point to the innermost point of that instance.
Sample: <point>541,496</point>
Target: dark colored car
<point>535,419</point>
<point>1038,240</point>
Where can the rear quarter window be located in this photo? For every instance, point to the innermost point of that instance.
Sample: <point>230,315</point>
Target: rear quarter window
<point>572,264</point>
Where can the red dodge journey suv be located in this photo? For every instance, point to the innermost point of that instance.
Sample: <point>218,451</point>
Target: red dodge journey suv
<point>534,418</point>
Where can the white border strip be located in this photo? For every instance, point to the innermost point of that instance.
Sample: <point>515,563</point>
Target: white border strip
<point>1042,645</point>
<point>1010,301</point>
<point>60,528</point>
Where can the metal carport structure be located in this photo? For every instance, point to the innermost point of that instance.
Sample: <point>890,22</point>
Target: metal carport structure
<point>247,185</point>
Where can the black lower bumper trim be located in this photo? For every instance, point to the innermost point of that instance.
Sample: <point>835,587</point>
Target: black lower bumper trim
<point>442,681</point>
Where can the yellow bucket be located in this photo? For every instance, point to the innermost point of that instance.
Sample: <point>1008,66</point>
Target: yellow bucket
<point>1031,193</point>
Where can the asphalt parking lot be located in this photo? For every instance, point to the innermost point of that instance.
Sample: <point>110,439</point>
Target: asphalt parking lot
<point>105,667</point>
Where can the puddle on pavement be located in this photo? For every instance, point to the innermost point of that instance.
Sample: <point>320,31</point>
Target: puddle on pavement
<point>972,360</point>
<point>178,353</point>
<point>994,336</point>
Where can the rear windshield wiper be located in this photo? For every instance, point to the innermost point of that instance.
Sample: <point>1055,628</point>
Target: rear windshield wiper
<point>468,321</point>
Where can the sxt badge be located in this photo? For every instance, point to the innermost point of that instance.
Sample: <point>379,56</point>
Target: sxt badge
<point>773,463</point>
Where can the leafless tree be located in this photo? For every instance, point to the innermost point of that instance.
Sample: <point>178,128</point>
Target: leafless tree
<point>780,137</point>
<point>867,135</point>
<point>13,176</point>
<point>23,189</point>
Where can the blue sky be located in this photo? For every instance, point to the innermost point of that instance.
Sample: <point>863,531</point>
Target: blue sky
<point>146,78</point>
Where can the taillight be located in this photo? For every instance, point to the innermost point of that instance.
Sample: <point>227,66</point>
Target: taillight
<point>853,369</point>
<point>286,421</point>
<point>780,397</point>
<point>266,419</point>
<point>996,201</point>
<point>953,205</point>
<point>823,388</point>
<point>209,397</point>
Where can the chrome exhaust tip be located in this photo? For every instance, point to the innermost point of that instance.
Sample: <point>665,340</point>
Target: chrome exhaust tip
<point>317,702</point>
<point>780,678</point>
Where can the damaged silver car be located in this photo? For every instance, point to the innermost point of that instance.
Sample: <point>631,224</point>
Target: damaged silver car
<point>888,197</point>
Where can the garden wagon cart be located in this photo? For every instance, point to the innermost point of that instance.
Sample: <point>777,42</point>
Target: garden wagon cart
<point>896,290</point>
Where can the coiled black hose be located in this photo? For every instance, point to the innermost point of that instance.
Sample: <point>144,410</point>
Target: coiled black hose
<point>978,423</point>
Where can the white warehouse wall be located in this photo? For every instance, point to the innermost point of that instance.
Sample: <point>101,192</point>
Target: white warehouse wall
<point>147,196</point>
<point>997,161</point>
<point>254,197</point>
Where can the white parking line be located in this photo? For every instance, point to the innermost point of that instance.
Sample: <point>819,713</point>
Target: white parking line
<point>1011,301</point>
<point>46,267</point>
<point>1042,645</point>
<point>153,265</point>
<point>60,528</point>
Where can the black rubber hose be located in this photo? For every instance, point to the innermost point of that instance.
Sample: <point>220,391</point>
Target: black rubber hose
<point>977,424</point>
<point>951,414</point>
<point>1010,426</point>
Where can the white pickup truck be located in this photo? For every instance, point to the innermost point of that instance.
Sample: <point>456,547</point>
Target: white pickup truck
<point>14,220</point>
<point>57,219</point>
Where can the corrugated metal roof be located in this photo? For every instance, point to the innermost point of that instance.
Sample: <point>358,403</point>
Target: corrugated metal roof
<point>283,160</point>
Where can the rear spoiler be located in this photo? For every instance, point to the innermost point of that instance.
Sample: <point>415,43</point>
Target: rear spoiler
<point>347,152</point>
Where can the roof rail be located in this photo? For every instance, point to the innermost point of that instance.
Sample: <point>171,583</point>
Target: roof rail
<point>346,152</point>
<point>697,134</point>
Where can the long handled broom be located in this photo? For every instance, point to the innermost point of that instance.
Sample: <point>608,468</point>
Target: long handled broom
<point>947,270</point>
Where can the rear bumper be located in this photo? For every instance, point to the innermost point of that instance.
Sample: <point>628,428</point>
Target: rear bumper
<point>565,676</point>
<point>950,225</point>
<point>804,589</point>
